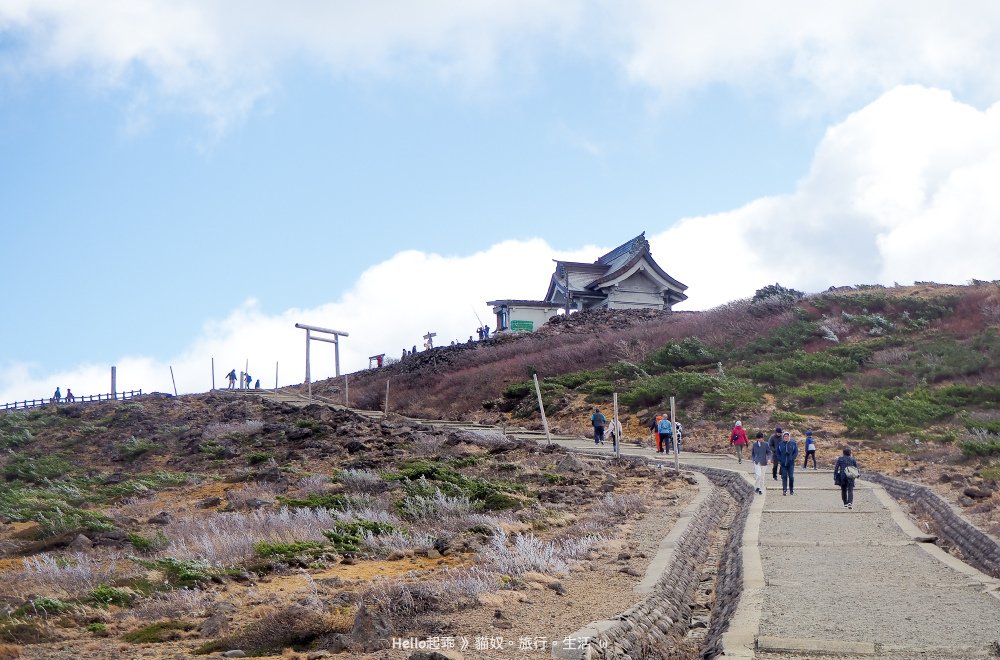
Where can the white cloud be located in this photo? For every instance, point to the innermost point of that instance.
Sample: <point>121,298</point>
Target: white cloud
<point>220,57</point>
<point>902,190</point>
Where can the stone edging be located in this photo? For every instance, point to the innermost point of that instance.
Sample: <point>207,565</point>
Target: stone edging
<point>977,548</point>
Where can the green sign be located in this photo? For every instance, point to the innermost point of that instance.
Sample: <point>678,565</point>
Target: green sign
<point>522,326</point>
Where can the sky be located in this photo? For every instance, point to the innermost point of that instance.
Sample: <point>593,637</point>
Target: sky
<point>184,180</point>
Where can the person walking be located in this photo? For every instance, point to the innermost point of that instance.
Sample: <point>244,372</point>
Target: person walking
<point>845,471</point>
<point>616,433</point>
<point>773,443</point>
<point>666,431</point>
<point>598,420</point>
<point>679,432</point>
<point>232,378</point>
<point>788,451</point>
<point>248,380</point>
<point>57,396</point>
<point>760,454</point>
<point>654,426</point>
<point>738,439</point>
<point>810,451</point>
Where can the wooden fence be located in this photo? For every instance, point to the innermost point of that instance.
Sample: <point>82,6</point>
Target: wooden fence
<point>34,403</point>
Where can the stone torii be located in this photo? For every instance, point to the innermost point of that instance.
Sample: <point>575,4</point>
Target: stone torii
<point>429,340</point>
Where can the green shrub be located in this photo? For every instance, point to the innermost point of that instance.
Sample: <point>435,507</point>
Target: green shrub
<point>803,366</point>
<point>14,431</point>
<point>135,447</point>
<point>974,448</point>
<point>878,413</point>
<point>97,628</point>
<point>44,606</point>
<point>687,352</point>
<point>179,572</point>
<point>317,501</point>
<point>349,536</point>
<point>782,340</point>
<point>156,633</point>
<point>105,595</point>
<point>36,469</point>
<point>518,390</point>
<point>257,457</point>
<point>814,395</point>
<point>288,551</point>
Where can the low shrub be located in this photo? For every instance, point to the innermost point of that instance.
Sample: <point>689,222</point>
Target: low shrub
<point>157,633</point>
<point>179,572</point>
<point>289,551</point>
<point>105,595</point>
<point>134,447</point>
<point>43,606</point>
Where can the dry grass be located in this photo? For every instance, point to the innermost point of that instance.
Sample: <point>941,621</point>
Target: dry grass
<point>526,553</point>
<point>66,576</point>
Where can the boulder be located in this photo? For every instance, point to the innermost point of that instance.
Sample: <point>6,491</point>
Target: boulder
<point>162,518</point>
<point>977,493</point>
<point>209,502</point>
<point>80,544</point>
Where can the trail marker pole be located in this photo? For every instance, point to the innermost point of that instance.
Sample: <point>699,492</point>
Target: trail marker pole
<point>673,428</point>
<point>615,427</point>
<point>213,373</point>
<point>386,413</point>
<point>545,422</point>
<point>172,380</point>
<point>275,377</point>
<point>114,382</point>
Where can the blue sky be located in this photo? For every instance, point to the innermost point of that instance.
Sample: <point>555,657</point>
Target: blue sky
<point>183,184</point>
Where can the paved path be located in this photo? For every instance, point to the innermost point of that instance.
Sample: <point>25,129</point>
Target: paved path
<point>820,580</point>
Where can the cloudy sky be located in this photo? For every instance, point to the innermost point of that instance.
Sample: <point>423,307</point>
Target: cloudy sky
<point>185,180</point>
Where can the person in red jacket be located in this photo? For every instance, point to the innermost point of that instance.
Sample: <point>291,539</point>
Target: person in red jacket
<point>738,439</point>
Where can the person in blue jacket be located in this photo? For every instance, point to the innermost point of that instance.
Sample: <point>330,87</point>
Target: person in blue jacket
<point>666,431</point>
<point>787,452</point>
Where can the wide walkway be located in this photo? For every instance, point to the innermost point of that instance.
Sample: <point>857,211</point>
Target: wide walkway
<point>822,580</point>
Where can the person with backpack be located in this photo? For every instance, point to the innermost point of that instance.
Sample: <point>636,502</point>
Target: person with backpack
<point>810,451</point>
<point>738,439</point>
<point>760,455</point>
<point>844,473</point>
<point>772,442</point>
<point>232,378</point>
<point>788,451</point>
<point>598,420</point>
<point>666,431</point>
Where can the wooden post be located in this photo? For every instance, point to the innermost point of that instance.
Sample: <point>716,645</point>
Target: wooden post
<point>673,428</point>
<point>545,422</point>
<point>213,373</point>
<point>347,393</point>
<point>172,380</point>
<point>617,435</point>
<point>308,381</point>
<point>386,413</point>
<point>336,353</point>
<point>275,377</point>
<point>246,372</point>
<point>114,383</point>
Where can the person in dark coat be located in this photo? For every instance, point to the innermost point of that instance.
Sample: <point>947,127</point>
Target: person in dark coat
<point>810,450</point>
<point>772,442</point>
<point>760,454</point>
<point>788,451</point>
<point>841,479</point>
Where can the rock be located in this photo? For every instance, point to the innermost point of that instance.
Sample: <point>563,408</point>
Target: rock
<point>115,478</point>
<point>370,630</point>
<point>234,653</point>
<point>966,501</point>
<point>316,655</point>
<point>80,544</point>
<point>624,556</point>
<point>214,625</point>
<point>569,464</point>
<point>433,554</point>
<point>557,587</point>
<point>977,493</point>
<point>628,570</point>
<point>354,447</point>
<point>396,555</point>
<point>298,433</point>
<point>162,518</point>
<point>698,622</point>
<point>209,502</point>
<point>944,478</point>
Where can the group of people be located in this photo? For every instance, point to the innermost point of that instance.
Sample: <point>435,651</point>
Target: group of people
<point>781,451</point>
<point>244,379</point>
<point>483,332</point>
<point>57,397</point>
<point>661,427</point>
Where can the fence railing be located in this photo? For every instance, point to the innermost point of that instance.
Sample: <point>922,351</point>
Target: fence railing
<point>34,403</point>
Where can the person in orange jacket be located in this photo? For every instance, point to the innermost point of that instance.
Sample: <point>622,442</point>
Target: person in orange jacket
<point>738,439</point>
<point>655,428</point>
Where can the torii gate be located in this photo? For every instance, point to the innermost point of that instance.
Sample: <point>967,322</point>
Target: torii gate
<point>337,334</point>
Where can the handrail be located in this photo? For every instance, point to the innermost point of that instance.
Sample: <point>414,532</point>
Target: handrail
<point>86,398</point>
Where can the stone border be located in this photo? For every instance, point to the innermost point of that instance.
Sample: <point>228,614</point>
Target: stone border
<point>977,548</point>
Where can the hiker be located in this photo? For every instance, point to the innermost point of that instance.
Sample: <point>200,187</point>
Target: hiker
<point>470,340</point>
<point>666,430</point>
<point>654,426</point>
<point>479,332</point>
<point>845,467</point>
<point>773,444</point>
<point>788,451</point>
<point>738,439</point>
<point>486,332</point>
<point>69,396</point>
<point>248,380</point>
<point>760,455</point>
<point>257,384</point>
<point>598,420</point>
<point>232,378</point>
<point>57,396</point>
<point>810,451</point>
<point>414,351</point>
<point>616,433</point>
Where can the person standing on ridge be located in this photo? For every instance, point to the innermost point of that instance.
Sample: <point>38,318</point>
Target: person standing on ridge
<point>810,451</point>
<point>69,396</point>
<point>598,420</point>
<point>788,451</point>
<point>760,454</point>
<point>232,378</point>
<point>248,380</point>
<point>842,478</point>
<point>738,439</point>
<point>773,444</point>
<point>666,429</point>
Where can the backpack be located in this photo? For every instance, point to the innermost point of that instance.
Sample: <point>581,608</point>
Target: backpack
<point>852,471</point>
<point>736,436</point>
<point>599,419</point>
